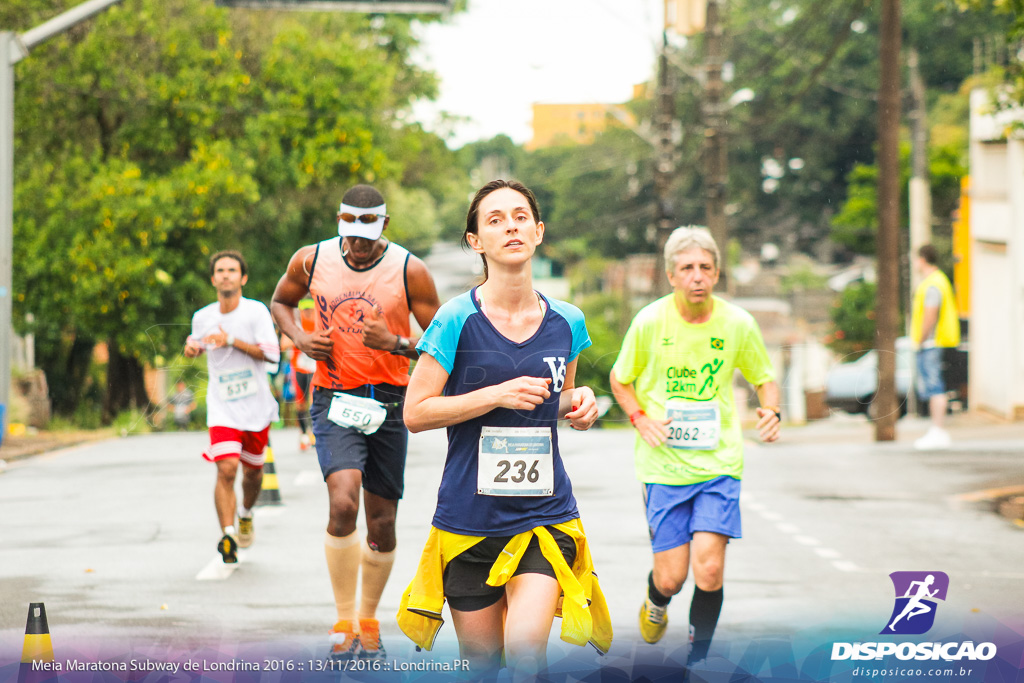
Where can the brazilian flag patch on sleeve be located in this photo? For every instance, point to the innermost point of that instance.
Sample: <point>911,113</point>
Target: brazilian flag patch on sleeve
<point>717,344</point>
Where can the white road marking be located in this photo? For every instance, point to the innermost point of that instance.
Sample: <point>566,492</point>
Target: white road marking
<point>216,570</point>
<point>794,531</point>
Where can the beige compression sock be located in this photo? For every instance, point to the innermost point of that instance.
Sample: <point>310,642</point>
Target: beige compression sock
<point>376,569</point>
<point>343,566</point>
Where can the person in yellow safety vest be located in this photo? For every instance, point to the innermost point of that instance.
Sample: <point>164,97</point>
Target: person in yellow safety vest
<point>934,326</point>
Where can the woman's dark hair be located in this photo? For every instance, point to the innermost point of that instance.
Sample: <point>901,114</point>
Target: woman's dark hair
<point>474,207</point>
<point>228,253</point>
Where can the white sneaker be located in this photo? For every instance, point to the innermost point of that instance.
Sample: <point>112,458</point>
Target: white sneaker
<point>935,439</point>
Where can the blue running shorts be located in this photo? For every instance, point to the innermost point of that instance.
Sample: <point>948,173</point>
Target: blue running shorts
<point>674,513</point>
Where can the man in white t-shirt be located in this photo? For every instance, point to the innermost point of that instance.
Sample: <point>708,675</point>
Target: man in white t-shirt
<point>239,338</point>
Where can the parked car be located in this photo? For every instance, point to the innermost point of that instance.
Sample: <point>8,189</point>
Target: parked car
<point>851,387</point>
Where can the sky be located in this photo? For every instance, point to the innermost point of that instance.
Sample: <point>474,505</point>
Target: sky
<point>501,56</point>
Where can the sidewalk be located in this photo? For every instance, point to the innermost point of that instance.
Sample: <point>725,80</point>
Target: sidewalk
<point>29,444</point>
<point>970,426</point>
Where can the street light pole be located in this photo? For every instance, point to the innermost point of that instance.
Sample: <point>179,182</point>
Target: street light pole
<point>664,163</point>
<point>14,48</point>
<point>715,151</point>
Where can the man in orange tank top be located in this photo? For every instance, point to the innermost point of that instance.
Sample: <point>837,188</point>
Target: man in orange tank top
<point>364,288</point>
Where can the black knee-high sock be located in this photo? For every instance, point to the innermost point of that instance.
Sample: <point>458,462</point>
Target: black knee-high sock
<point>704,611</point>
<point>654,594</point>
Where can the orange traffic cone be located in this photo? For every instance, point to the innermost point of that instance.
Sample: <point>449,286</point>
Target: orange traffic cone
<point>269,493</point>
<point>37,636</point>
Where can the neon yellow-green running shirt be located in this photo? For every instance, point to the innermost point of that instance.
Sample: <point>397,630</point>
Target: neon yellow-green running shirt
<point>689,369</point>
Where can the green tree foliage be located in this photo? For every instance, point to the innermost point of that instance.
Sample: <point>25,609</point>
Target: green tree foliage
<point>599,192</point>
<point>856,224</point>
<point>813,65</point>
<point>159,132</point>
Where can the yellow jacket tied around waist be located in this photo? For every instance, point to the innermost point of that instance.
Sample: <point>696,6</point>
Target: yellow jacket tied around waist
<point>583,609</point>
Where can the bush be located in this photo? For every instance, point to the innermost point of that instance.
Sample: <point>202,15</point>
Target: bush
<point>603,313</point>
<point>131,422</point>
<point>853,321</point>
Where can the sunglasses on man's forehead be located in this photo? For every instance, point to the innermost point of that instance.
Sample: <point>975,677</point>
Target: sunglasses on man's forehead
<point>363,218</point>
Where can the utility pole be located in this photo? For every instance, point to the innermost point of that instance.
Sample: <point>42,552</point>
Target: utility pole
<point>664,162</point>
<point>887,300</point>
<point>920,187</point>
<point>14,48</point>
<point>715,149</point>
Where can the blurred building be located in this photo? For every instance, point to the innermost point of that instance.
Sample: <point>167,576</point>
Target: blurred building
<point>995,258</point>
<point>555,124</point>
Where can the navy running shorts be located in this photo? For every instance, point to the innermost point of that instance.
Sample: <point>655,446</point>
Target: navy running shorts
<point>379,456</point>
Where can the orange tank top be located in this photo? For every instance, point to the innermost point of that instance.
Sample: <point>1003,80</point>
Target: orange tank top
<point>343,297</point>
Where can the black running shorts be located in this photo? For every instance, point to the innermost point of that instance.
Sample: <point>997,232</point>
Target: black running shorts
<point>465,576</point>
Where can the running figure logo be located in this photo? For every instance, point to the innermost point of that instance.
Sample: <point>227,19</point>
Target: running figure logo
<point>916,596</point>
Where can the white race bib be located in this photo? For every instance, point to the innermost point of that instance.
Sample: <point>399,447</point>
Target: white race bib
<point>693,426</point>
<point>515,461</point>
<point>362,414</point>
<point>236,384</point>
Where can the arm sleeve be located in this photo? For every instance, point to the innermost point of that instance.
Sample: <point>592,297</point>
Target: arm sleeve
<point>266,337</point>
<point>577,324</point>
<point>632,358</point>
<point>194,333</point>
<point>441,338</point>
<point>752,359</point>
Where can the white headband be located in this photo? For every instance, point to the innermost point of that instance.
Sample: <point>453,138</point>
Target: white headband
<point>369,231</point>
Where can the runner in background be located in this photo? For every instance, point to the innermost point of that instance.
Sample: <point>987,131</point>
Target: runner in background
<point>303,368</point>
<point>238,337</point>
<point>674,378</point>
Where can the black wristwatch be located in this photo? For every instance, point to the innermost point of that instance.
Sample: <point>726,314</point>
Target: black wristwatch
<point>401,346</point>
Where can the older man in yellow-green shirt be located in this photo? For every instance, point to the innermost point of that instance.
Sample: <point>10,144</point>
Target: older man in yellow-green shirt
<point>673,377</point>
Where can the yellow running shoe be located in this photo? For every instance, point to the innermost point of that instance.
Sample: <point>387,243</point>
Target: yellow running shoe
<point>228,548</point>
<point>245,532</point>
<point>653,621</point>
<point>344,641</point>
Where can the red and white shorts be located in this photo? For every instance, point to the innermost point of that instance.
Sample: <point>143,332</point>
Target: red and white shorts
<point>248,447</point>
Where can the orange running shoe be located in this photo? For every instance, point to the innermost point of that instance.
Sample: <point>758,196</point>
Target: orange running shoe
<point>370,646</point>
<point>344,641</point>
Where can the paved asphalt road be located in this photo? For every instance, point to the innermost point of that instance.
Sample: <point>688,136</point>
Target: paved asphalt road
<point>118,538</point>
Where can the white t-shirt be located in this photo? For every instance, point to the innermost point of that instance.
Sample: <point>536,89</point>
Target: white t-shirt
<point>238,395</point>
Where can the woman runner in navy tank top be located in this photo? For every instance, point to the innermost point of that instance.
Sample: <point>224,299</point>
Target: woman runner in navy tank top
<point>497,370</point>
